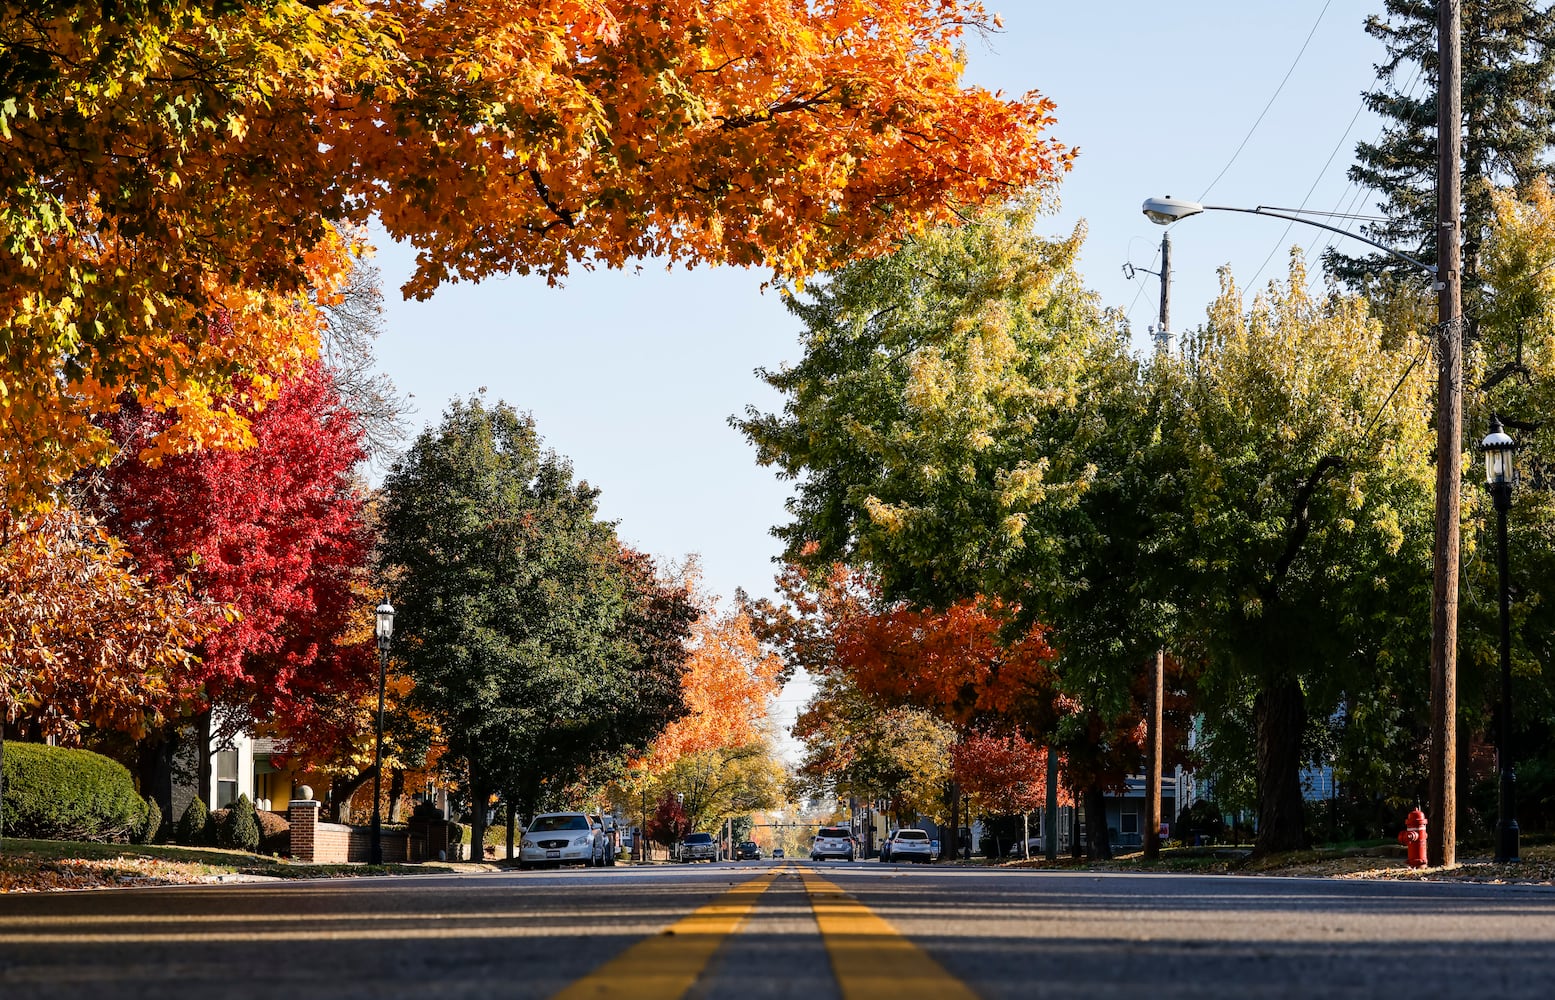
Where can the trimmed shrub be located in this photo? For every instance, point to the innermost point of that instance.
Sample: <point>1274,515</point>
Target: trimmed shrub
<point>216,833</point>
<point>240,832</point>
<point>194,827</point>
<point>150,823</point>
<point>58,793</point>
<point>275,832</point>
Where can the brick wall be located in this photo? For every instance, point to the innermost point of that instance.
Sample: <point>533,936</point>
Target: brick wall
<point>335,843</point>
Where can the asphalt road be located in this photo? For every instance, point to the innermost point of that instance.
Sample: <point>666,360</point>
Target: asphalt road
<point>813,931</point>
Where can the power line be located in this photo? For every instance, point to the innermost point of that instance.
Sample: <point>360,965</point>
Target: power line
<point>1266,107</point>
<point>1316,181</point>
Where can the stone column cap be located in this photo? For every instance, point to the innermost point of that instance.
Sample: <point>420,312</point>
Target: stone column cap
<point>311,803</point>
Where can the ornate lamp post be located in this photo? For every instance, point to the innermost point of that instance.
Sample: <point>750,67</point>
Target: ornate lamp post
<point>1501,476</point>
<point>383,630</point>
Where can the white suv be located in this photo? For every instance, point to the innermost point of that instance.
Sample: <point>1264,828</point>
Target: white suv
<point>911,845</point>
<point>832,842</point>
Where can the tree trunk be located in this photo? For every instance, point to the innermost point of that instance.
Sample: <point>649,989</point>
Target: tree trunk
<point>478,803</point>
<point>1098,845</point>
<point>341,790</point>
<point>512,824</point>
<point>396,792</point>
<point>1279,712</point>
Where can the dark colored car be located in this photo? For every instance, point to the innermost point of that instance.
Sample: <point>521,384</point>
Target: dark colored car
<point>777,852</point>
<point>747,851</point>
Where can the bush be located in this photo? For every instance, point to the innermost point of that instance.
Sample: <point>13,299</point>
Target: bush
<point>194,827</point>
<point>275,832</point>
<point>150,824</point>
<point>241,830</point>
<point>1202,819</point>
<point>57,793</point>
<point>216,833</point>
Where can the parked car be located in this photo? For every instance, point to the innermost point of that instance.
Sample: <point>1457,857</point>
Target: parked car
<point>698,847</point>
<point>748,851</point>
<point>910,845</point>
<point>560,839</point>
<point>605,834</point>
<point>832,842</point>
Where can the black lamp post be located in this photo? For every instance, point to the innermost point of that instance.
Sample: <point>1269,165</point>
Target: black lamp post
<point>383,630</point>
<point>1500,475</point>
<point>640,775</point>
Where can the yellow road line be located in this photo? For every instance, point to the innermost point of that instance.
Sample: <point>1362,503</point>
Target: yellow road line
<point>869,957</point>
<point>665,966</point>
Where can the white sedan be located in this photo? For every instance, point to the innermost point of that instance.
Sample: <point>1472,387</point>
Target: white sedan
<point>560,839</point>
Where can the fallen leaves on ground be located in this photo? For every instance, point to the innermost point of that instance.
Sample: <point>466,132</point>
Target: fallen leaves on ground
<point>27,874</point>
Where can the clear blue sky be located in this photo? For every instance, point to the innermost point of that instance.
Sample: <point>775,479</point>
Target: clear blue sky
<point>633,375</point>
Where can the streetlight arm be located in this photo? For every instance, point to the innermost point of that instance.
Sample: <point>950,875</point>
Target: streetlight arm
<point>1278,214</point>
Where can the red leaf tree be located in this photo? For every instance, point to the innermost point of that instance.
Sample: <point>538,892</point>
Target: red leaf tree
<point>275,533</point>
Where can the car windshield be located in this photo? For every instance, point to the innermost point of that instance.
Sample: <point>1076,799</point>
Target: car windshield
<point>700,838</point>
<point>749,843</point>
<point>911,835</point>
<point>833,833</point>
<point>552,824</point>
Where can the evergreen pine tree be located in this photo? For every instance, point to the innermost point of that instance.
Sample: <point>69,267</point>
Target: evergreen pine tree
<point>1508,123</point>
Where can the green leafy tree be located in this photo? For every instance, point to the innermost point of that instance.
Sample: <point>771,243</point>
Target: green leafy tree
<point>855,747</point>
<point>1508,123</point>
<point>514,607</point>
<point>1514,366</point>
<point>967,421</point>
<point>1306,492</point>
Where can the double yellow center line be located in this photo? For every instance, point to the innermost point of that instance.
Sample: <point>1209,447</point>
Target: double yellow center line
<point>870,959</point>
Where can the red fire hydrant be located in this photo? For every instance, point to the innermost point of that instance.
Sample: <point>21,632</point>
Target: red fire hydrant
<point>1414,837</point>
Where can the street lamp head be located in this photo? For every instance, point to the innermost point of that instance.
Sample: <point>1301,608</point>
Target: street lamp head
<point>384,629</point>
<point>1165,211</point>
<point>1498,447</point>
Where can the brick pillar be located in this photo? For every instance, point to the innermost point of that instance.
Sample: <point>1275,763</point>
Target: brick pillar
<point>303,815</point>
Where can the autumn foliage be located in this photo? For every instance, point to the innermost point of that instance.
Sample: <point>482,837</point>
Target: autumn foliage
<point>167,162</point>
<point>83,638</point>
<point>1003,774</point>
<point>728,679</point>
<point>275,534</point>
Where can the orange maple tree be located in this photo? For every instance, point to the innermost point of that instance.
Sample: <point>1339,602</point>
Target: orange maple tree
<point>727,682</point>
<point>166,162</point>
<point>83,638</point>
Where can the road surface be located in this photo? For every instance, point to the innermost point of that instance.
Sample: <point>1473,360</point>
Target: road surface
<point>784,929</point>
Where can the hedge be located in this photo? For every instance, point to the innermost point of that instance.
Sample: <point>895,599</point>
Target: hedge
<point>57,793</point>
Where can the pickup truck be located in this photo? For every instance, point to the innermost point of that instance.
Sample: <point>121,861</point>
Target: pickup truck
<point>698,847</point>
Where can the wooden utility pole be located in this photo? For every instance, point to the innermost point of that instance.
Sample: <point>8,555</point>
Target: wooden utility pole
<point>1050,807</point>
<point>1158,674</point>
<point>1443,807</point>
<point>1153,738</point>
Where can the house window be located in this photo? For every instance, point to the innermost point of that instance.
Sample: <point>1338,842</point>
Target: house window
<point>1128,824</point>
<point>226,778</point>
